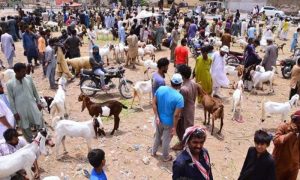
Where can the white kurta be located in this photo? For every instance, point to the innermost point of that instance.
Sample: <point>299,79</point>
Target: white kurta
<point>7,46</point>
<point>6,112</point>
<point>217,71</point>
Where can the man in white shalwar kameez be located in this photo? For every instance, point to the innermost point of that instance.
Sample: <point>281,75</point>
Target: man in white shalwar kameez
<point>217,70</point>
<point>8,48</point>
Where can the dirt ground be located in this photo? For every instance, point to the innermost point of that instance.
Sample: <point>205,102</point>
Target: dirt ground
<point>126,149</point>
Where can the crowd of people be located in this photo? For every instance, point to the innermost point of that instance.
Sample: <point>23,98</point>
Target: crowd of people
<point>173,106</point>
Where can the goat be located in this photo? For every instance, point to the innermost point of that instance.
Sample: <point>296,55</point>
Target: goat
<point>149,64</point>
<point>259,78</point>
<point>104,52</point>
<point>212,106</point>
<point>58,105</point>
<point>23,158</point>
<point>242,43</point>
<point>119,51</point>
<point>87,130</point>
<point>236,72</point>
<point>46,102</point>
<point>278,108</point>
<point>7,75</point>
<point>140,88</point>
<point>107,108</point>
<point>281,47</point>
<point>148,49</point>
<point>51,25</point>
<point>79,63</point>
<point>237,96</point>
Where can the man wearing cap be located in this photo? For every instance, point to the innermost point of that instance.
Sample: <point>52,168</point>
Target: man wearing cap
<point>218,70</point>
<point>271,55</point>
<point>167,105</point>
<point>194,161</point>
<point>286,151</point>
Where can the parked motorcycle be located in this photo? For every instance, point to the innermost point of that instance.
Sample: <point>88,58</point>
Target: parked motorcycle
<point>90,83</point>
<point>287,65</point>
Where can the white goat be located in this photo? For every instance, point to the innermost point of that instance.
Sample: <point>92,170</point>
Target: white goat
<point>23,158</point>
<point>278,108</point>
<point>119,51</point>
<point>87,130</point>
<point>103,33</point>
<point>140,88</point>
<point>7,75</point>
<point>149,64</point>
<point>58,105</point>
<point>259,78</point>
<point>52,25</point>
<point>104,51</point>
<point>149,49</point>
<point>237,96</point>
<point>141,53</point>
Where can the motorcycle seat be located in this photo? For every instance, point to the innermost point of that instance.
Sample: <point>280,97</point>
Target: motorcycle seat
<point>87,72</point>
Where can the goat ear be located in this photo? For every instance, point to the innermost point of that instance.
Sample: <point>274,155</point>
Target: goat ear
<point>83,106</point>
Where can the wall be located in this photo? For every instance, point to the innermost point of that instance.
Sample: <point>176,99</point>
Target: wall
<point>244,5</point>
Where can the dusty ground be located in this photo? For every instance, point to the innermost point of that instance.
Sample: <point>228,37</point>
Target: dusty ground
<point>131,144</point>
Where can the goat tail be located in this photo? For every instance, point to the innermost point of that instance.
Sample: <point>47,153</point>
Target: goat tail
<point>263,111</point>
<point>273,69</point>
<point>123,106</point>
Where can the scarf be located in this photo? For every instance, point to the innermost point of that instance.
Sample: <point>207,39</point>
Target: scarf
<point>199,166</point>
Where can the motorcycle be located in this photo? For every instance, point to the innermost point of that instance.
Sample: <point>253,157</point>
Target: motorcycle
<point>90,83</point>
<point>288,64</point>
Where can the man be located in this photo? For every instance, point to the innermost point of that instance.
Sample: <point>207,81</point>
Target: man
<point>158,78</point>
<point>294,42</point>
<point>252,32</point>
<point>72,45</point>
<point>175,35</point>
<point>190,91</point>
<point>122,34</point>
<point>158,35</point>
<point>236,28</point>
<point>97,66</point>
<point>167,105</point>
<point>29,45</point>
<point>4,25</point>
<point>226,38</point>
<point>132,54</point>
<point>50,63</point>
<point>218,73</point>
<point>286,151</point>
<point>24,101</point>
<point>7,119</point>
<point>96,158</point>
<point>8,47</point>
<point>11,22</point>
<point>12,144</point>
<point>192,30</point>
<point>181,54</point>
<point>194,161</point>
<point>259,163</point>
<point>42,48</point>
<point>271,55</point>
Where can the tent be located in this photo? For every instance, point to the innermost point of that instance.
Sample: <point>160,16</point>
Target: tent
<point>146,14</point>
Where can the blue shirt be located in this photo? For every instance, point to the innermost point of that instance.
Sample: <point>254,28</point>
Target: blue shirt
<point>251,32</point>
<point>157,81</point>
<point>168,100</point>
<point>97,176</point>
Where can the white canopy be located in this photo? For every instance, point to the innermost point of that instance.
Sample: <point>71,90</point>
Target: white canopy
<point>145,14</point>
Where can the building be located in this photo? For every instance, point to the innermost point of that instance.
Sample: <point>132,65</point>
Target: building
<point>244,5</point>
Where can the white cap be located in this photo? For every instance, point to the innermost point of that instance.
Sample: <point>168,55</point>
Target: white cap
<point>177,78</point>
<point>225,49</point>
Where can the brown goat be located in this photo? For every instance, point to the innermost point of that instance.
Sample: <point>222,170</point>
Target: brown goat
<point>108,108</point>
<point>212,106</point>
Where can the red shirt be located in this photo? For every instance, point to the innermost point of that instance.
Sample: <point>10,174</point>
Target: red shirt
<point>181,54</point>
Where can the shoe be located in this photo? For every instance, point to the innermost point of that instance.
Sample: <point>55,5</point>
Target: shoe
<point>105,87</point>
<point>170,158</point>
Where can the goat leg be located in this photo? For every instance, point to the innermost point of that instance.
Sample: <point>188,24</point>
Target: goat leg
<point>204,117</point>
<point>221,125</point>
<point>29,172</point>
<point>212,125</point>
<point>116,124</point>
<point>208,121</point>
<point>64,145</point>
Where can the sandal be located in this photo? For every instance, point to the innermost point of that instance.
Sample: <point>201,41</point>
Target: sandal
<point>170,158</point>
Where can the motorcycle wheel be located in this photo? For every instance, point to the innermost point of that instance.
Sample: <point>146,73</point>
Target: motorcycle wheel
<point>126,89</point>
<point>286,72</point>
<point>88,83</point>
<point>232,60</point>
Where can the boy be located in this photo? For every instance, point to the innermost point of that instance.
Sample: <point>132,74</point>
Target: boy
<point>96,158</point>
<point>259,164</point>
